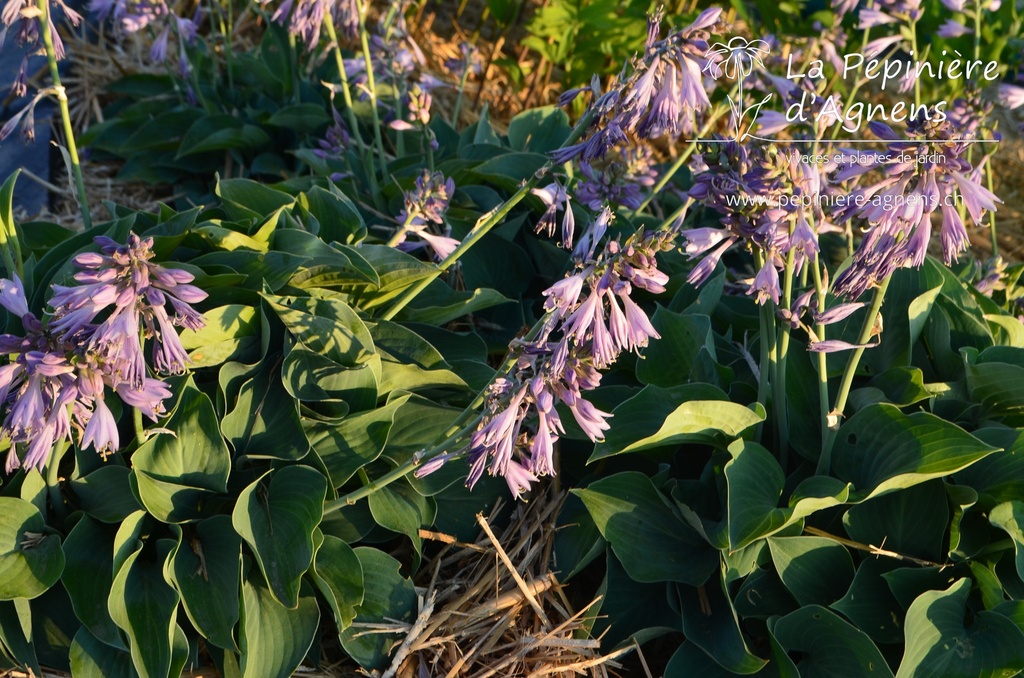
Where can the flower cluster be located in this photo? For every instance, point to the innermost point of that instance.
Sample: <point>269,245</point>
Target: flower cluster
<point>622,178</point>
<point>59,372</point>
<point>898,207</point>
<point>768,200</point>
<point>21,17</point>
<point>662,95</point>
<point>426,204</point>
<point>131,16</point>
<point>591,318</point>
<point>305,18</point>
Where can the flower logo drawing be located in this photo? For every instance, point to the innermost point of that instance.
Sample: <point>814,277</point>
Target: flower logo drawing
<point>736,61</point>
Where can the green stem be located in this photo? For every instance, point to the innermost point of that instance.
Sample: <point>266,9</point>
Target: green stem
<point>346,95</point>
<point>397,237</point>
<point>913,50</point>
<point>229,52</point>
<point>977,32</point>
<point>459,96</point>
<point>680,161</point>
<point>825,458</point>
<point>371,86</point>
<point>293,66</point>
<point>991,215</point>
<point>483,226</point>
<point>10,247</point>
<point>140,431</point>
<point>779,385</point>
<point>53,479</point>
<point>65,113</point>
<point>851,367</point>
<point>401,470</point>
<point>766,338</point>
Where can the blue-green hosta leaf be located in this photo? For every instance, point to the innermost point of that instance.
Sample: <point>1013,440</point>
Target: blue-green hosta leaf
<point>710,622</point>
<point>1009,331</point>
<point>221,132</point>
<point>999,476</point>
<point>538,129</point>
<point>409,362</point>
<point>356,441</point>
<point>649,539</point>
<point>881,450</point>
<point>31,560</point>
<point>231,332</point>
<point>1009,517</point>
<point>310,376</point>
<point>763,595</point>
<point>755,481</point>
<point>204,567</point>
<point>92,658</point>
<point>577,540</point>
<point>248,199</point>
<point>629,610</point>
<point>691,413</point>
<point>685,340</point>
<point>999,388</point>
<point>336,571</point>
<point>831,647</point>
<point>396,271</point>
<point>509,170</point>
<point>870,603</point>
<point>144,606</point>
<point>387,596</point>
<point>439,304</point>
<point>339,219</point>
<point>264,420</point>
<point>276,516</point>
<point>220,238</point>
<point>274,639</point>
<point>910,522</point>
<point>16,640</point>
<point>303,118</point>
<point>89,552</point>
<point>400,508</point>
<point>326,326</point>
<point>816,570</point>
<point>177,472</point>
<point>105,494</point>
<point>940,645</point>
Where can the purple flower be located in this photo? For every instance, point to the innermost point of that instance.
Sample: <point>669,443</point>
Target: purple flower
<point>101,431</point>
<point>555,198</point>
<point>766,283</point>
<point>148,398</point>
<point>1010,96</point>
<point>952,29</point>
<point>871,18</point>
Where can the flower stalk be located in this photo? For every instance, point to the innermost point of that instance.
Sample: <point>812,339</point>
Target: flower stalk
<point>65,113</point>
<point>869,329</point>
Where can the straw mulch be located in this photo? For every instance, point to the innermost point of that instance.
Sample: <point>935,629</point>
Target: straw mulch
<point>495,608</point>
